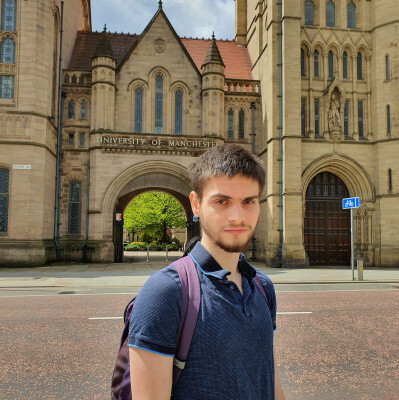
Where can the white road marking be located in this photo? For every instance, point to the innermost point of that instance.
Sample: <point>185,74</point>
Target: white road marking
<point>293,312</point>
<point>102,318</point>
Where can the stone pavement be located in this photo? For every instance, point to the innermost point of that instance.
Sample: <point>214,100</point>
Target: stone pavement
<point>135,272</point>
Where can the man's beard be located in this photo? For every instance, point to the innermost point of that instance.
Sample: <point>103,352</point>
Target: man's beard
<point>228,247</point>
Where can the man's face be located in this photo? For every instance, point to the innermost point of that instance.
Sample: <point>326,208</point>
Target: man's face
<point>228,211</point>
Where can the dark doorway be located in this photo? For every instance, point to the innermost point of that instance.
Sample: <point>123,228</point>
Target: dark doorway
<point>327,225</point>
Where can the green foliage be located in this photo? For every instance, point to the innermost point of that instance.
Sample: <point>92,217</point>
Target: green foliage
<point>142,246</point>
<point>153,213</point>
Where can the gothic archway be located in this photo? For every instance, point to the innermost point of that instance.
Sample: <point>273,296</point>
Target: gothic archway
<point>326,224</point>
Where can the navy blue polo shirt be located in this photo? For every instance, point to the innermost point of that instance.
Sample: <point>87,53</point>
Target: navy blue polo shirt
<point>231,354</point>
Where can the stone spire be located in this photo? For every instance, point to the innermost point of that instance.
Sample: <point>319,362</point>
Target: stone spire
<point>213,55</point>
<point>103,48</point>
<point>160,4</point>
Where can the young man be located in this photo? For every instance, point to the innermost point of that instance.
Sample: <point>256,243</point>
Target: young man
<point>231,355</point>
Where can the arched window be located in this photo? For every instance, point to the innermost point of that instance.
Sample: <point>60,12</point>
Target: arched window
<point>302,62</point>
<point>351,14</point>
<point>7,51</point>
<point>6,87</point>
<point>387,74</point>
<point>83,110</point>
<point>138,110</point>
<point>346,118</point>
<point>74,208</point>
<point>178,112</point>
<point>330,14</point>
<point>309,12</point>
<point>360,124</point>
<point>4,195</point>
<point>389,180</point>
<point>359,66</point>
<point>158,103</point>
<point>316,63</point>
<point>241,124</point>
<point>303,116</point>
<point>316,117</point>
<point>330,64</point>
<point>71,109</point>
<point>345,65</point>
<point>388,119</point>
<point>230,124</point>
<point>8,15</point>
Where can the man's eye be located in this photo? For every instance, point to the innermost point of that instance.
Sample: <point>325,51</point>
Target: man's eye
<point>221,201</point>
<point>249,202</point>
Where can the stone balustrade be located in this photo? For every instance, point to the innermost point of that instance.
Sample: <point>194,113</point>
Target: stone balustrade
<point>77,78</point>
<point>247,87</point>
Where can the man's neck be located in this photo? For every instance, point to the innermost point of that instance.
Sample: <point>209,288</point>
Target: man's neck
<point>228,261</point>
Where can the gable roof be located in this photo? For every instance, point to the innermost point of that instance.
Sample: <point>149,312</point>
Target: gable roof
<point>86,44</point>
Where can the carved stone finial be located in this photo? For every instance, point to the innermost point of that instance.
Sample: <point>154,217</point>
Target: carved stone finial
<point>105,28</point>
<point>160,4</point>
<point>213,35</point>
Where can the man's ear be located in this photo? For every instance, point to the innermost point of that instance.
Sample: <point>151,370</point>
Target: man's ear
<point>195,204</point>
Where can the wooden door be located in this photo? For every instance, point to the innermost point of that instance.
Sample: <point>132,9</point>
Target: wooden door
<point>327,225</point>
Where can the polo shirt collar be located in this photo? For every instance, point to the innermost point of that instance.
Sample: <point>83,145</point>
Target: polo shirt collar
<point>209,266</point>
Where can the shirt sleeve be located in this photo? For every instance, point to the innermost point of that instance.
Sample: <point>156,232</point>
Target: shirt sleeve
<point>156,314</point>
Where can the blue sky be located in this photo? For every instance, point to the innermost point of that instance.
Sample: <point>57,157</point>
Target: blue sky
<point>195,18</point>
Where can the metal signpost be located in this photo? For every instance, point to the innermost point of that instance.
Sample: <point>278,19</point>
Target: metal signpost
<point>351,203</point>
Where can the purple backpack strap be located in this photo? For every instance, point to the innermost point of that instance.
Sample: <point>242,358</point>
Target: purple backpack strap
<point>261,288</point>
<point>191,291</point>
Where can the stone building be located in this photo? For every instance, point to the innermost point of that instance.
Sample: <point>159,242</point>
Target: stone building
<point>322,105</point>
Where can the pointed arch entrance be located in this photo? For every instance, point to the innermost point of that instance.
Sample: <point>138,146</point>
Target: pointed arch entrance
<point>327,225</point>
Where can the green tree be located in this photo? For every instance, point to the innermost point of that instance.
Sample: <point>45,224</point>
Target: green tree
<point>154,213</point>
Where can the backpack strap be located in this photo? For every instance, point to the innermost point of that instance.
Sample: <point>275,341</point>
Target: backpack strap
<point>191,292</point>
<point>262,289</point>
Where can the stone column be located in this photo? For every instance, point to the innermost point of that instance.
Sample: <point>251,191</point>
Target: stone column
<point>355,133</point>
<point>368,77</point>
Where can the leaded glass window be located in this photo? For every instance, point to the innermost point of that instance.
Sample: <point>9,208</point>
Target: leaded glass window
<point>302,62</point>
<point>389,180</point>
<point>6,87</point>
<point>330,14</point>
<point>345,65</point>
<point>360,118</point>
<point>7,51</point>
<point>81,140</point>
<point>8,15</point>
<point>346,119</point>
<point>359,66</point>
<point>158,103</point>
<point>303,116</point>
<point>241,124</point>
<point>178,112</point>
<point>316,117</point>
<point>330,64</point>
<point>351,13</point>
<point>388,119</point>
<point>230,124</point>
<point>138,110</point>
<point>316,63</point>
<point>309,12</point>
<point>71,109</point>
<point>4,194</point>
<point>74,207</point>
<point>83,110</point>
<point>387,74</point>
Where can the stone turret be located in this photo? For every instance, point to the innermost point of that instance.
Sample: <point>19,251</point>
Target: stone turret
<point>103,66</point>
<point>213,91</point>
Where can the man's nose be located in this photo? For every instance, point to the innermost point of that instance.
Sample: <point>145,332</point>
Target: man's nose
<point>236,213</point>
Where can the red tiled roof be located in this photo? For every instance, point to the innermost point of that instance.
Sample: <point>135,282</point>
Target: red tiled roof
<point>235,57</point>
<point>86,44</point>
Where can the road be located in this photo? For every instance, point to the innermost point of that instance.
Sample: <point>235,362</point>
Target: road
<point>333,342</point>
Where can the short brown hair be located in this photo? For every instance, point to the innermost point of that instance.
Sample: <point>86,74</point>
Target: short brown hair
<point>229,160</point>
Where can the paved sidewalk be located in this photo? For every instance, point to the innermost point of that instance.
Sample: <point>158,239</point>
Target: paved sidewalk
<point>134,274</point>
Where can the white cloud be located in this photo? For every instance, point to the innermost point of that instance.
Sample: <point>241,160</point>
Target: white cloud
<point>189,18</point>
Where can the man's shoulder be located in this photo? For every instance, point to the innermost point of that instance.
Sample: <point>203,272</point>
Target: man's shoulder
<point>265,280</point>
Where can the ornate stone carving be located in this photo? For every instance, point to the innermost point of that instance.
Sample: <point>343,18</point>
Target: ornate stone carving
<point>159,45</point>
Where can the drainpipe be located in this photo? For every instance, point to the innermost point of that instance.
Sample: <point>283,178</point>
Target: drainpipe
<point>280,129</point>
<point>87,212</point>
<point>56,237</point>
<point>252,134</point>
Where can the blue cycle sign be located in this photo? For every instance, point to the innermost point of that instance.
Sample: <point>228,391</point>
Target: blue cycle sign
<point>352,202</point>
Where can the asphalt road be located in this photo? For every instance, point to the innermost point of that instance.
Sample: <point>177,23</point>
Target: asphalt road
<point>333,342</point>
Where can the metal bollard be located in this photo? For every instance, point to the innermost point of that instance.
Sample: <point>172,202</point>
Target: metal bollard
<point>166,247</point>
<point>359,270</point>
<point>148,253</point>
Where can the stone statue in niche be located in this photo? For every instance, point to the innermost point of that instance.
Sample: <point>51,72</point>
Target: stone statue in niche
<point>334,117</point>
